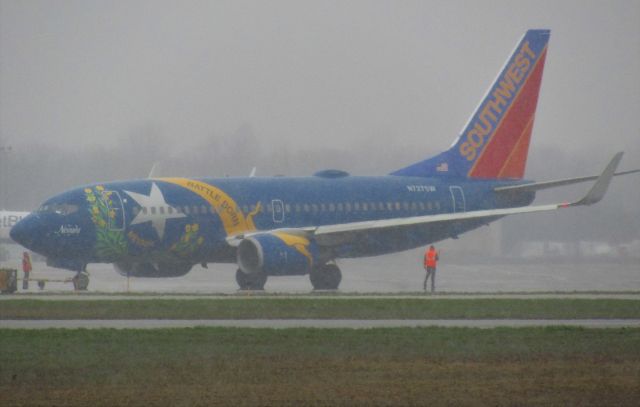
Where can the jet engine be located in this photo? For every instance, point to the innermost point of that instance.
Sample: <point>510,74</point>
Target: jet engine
<point>152,270</point>
<point>277,254</point>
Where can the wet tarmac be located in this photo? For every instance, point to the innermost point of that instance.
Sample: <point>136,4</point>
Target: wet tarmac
<point>393,274</point>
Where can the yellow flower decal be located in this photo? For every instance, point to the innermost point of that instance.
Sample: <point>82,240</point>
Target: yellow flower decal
<point>110,244</point>
<point>189,242</point>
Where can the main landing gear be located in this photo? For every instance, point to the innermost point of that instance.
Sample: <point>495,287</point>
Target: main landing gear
<point>253,281</point>
<point>325,277</point>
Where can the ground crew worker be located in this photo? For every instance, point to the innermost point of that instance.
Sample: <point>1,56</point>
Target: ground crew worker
<point>430,261</point>
<point>26,268</point>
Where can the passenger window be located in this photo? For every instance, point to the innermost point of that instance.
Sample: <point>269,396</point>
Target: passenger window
<point>332,207</point>
<point>161,210</point>
<point>323,208</point>
<point>340,207</point>
<point>364,206</point>
<point>347,207</point>
<point>314,207</point>
<point>356,206</point>
<point>437,205</point>
<point>287,208</point>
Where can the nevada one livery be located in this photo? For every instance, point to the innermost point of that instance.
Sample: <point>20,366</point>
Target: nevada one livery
<point>276,226</point>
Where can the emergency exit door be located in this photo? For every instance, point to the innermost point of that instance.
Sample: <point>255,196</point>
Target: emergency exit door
<point>278,210</point>
<point>457,199</point>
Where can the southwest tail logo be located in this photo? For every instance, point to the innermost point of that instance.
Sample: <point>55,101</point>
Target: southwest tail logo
<point>495,141</point>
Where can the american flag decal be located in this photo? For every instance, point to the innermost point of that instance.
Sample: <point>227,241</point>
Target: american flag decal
<point>444,167</point>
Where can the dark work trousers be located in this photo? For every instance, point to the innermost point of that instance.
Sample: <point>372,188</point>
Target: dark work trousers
<point>431,272</point>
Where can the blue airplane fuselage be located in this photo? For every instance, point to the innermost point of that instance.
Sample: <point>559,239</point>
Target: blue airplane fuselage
<point>193,218</point>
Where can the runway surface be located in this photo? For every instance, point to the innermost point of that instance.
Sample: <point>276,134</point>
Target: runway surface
<point>393,274</point>
<point>317,323</point>
<point>249,295</point>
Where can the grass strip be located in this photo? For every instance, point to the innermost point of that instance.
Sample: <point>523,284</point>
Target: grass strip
<point>406,366</point>
<point>335,308</point>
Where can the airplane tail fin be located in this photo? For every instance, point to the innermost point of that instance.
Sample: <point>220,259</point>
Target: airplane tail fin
<point>495,141</point>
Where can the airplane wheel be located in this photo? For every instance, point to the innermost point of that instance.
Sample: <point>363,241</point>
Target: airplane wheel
<point>326,277</point>
<point>254,281</point>
<point>81,281</point>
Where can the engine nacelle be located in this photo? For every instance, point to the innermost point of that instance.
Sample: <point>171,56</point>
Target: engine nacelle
<point>153,270</point>
<point>277,254</point>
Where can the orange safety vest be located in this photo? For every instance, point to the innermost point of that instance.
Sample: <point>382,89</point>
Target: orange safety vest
<point>430,258</point>
<point>26,264</point>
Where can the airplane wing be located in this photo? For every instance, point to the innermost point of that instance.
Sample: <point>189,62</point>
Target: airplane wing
<point>330,235</point>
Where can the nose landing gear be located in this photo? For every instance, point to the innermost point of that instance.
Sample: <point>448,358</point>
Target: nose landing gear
<point>81,281</point>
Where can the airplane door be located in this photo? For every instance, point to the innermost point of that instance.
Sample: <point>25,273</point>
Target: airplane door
<point>278,210</point>
<point>457,199</point>
<point>115,212</point>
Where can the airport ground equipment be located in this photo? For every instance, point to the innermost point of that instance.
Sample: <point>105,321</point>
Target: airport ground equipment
<point>8,280</point>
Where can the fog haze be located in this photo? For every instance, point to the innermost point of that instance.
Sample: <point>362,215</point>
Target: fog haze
<point>98,91</point>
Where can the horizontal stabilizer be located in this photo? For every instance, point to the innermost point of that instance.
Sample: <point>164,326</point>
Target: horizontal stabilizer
<point>537,186</point>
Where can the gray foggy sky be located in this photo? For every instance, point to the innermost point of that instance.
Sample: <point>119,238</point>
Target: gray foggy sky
<point>81,74</point>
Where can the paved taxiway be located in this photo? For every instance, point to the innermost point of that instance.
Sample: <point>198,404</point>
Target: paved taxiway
<point>393,274</point>
<point>329,295</point>
<point>317,323</point>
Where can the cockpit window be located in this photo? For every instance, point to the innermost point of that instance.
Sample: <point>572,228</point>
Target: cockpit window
<point>60,209</point>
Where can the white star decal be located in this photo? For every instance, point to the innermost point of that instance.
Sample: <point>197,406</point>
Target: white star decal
<point>158,217</point>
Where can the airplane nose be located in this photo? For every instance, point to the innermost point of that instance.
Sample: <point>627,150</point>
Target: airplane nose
<point>24,232</point>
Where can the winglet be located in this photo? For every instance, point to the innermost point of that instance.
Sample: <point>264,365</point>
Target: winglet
<point>154,170</point>
<point>598,189</point>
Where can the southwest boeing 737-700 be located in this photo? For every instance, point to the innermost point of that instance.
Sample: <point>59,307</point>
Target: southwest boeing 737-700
<point>280,226</point>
